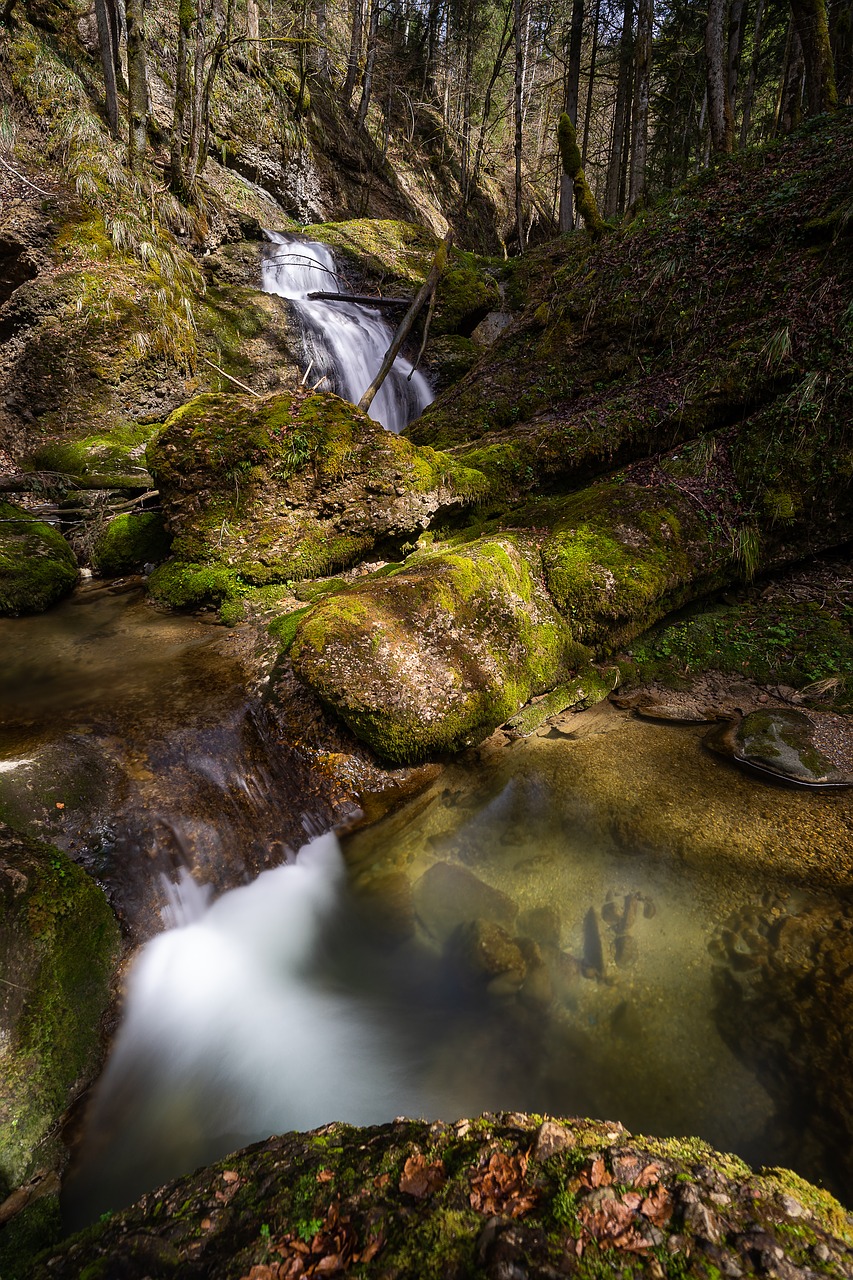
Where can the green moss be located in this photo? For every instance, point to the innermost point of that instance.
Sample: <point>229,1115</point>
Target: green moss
<point>116,454</point>
<point>465,294</point>
<point>587,687</point>
<point>284,628</point>
<point>389,249</point>
<point>192,586</point>
<point>831,1215</point>
<point>130,541</point>
<point>60,943</point>
<point>37,566</point>
<point>38,1227</point>
<point>435,655</point>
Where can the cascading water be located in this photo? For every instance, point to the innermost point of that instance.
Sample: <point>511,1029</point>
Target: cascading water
<point>345,342</point>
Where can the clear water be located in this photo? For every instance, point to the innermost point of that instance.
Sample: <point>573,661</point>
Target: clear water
<point>343,342</point>
<point>336,988</point>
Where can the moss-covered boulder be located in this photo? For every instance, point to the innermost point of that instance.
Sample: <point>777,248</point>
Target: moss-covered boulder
<point>465,295</point>
<point>498,1196</point>
<point>37,566</point>
<point>108,459</point>
<point>790,745</point>
<point>289,487</point>
<point>430,658</point>
<point>129,542</point>
<point>58,947</point>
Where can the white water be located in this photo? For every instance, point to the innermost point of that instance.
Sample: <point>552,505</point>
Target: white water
<point>232,1032</point>
<point>344,341</point>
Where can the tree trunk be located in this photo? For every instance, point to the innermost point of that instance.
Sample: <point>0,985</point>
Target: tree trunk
<point>813,29</point>
<point>737,25</point>
<point>137,84</point>
<point>197,97</point>
<point>640,114</point>
<point>186,22</point>
<point>570,106</point>
<point>591,82</point>
<point>789,113</point>
<point>620,112</point>
<point>433,20</point>
<point>107,41</point>
<point>518,82</point>
<point>356,38</point>
<point>253,29</point>
<point>719,103</point>
<point>321,60</point>
<point>367,82</point>
<point>570,158</point>
<point>749,93</point>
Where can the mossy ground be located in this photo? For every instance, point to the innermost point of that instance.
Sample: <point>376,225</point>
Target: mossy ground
<point>60,945</point>
<point>482,1197</point>
<point>37,566</point>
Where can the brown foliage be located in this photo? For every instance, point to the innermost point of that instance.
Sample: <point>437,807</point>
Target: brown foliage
<point>500,1188</point>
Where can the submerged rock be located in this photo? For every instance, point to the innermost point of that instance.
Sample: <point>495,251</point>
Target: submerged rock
<point>58,947</point>
<point>37,566</point>
<point>782,744</point>
<point>498,1196</point>
<point>447,896</point>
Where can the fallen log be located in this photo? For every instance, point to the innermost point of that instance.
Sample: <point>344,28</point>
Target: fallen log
<point>362,299</point>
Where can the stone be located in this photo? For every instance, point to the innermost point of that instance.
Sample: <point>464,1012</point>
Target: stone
<point>37,566</point>
<point>483,951</point>
<point>779,743</point>
<point>447,896</point>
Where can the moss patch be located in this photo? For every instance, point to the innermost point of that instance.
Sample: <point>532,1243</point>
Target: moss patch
<point>130,541</point>
<point>37,566</point>
<point>59,944</point>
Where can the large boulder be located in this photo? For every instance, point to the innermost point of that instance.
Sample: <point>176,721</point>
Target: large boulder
<point>59,944</point>
<point>431,657</point>
<point>289,487</point>
<point>37,566</point>
<point>497,1196</point>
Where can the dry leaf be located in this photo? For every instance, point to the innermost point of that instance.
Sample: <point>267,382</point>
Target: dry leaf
<point>325,1175</point>
<point>657,1206</point>
<point>419,1178</point>
<point>649,1176</point>
<point>230,1175</point>
<point>501,1189</point>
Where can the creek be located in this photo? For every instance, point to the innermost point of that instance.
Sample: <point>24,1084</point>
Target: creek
<point>344,343</point>
<point>627,887</point>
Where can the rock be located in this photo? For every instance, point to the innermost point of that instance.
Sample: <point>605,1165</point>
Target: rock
<point>594,960</point>
<point>491,327</point>
<point>59,945</point>
<point>433,656</point>
<point>447,896</point>
<point>587,687</point>
<point>130,542</point>
<point>779,743</point>
<point>37,566</point>
<point>285,488</point>
<point>484,950</point>
<point>506,1196</point>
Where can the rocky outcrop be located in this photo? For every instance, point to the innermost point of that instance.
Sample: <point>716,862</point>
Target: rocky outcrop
<point>286,488</point>
<point>431,657</point>
<point>498,1196</point>
<point>59,945</point>
<point>37,566</point>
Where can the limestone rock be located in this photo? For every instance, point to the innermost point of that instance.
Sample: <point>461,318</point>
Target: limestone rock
<point>783,744</point>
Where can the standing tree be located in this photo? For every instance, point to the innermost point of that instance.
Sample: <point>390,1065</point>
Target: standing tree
<point>620,112</point>
<point>107,20</point>
<point>813,29</point>
<point>518,85</point>
<point>720,118</point>
<point>137,83</point>
<point>640,119</point>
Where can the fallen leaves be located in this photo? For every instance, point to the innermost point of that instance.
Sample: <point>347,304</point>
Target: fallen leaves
<point>332,1250</point>
<point>621,1219</point>
<point>420,1178</point>
<point>500,1188</point>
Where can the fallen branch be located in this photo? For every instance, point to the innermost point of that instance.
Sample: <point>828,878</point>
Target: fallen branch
<point>40,190</point>
<point>428,287</point>
<point>362,299</point>
<point>236,381</point>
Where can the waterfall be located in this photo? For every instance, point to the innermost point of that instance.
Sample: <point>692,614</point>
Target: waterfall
<point>345,341</point>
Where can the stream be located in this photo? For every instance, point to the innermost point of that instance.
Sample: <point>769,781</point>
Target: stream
<point>558,924</point>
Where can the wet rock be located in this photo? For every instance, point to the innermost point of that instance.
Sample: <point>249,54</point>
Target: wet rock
<point>594,961</point>
<point>484,951</point>
<point>781,744</point>
<point>542,924</point>
<point>37,566</point>
<point>447,896</point>
<point>59,945</point>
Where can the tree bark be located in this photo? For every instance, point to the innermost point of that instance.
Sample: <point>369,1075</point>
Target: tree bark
<point>570,158</point>
<point>719,104</point>
<point>186,22</point>
<point>737,25</point>
<point>367,82</point>
<point>620,112</point>
<point>107,42</point>
<point>591,82</point>
<point>812,26</point>
<point>789,113</point>
<point>517,88</point>
<point>570,106</point>
<point>137,84</point>
<point>749,93</point>
<point>640,114</point>
<point>356,38</point>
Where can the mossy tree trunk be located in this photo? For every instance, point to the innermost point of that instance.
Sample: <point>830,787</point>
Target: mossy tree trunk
<point>570,157</point>
<point>570,107</point>
<point>812,25</point>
